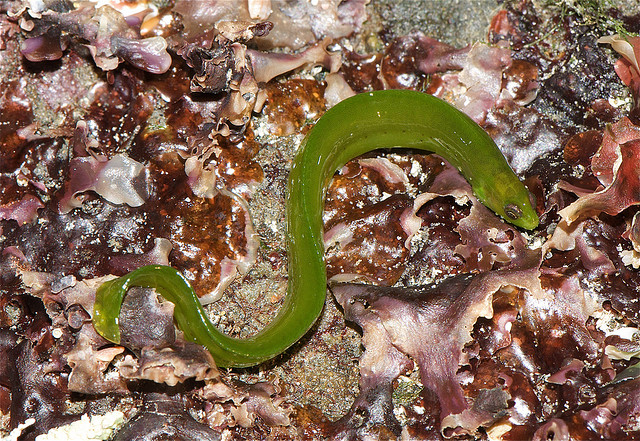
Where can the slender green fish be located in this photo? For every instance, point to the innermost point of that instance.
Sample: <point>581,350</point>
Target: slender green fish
<point>365,122</point>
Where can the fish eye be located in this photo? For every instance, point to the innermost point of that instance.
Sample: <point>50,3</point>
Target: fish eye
<point>512,211</point>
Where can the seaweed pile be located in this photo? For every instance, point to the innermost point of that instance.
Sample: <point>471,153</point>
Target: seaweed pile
<point>136,133</point>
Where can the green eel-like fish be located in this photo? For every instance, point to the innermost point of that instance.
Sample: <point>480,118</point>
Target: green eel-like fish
<point>369,121</point>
